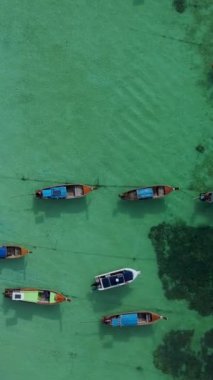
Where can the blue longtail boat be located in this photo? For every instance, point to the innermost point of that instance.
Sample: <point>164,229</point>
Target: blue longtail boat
<point>131,319</point>
<point>68,191</point>
<point>9,252</point>
<point>144,193</point>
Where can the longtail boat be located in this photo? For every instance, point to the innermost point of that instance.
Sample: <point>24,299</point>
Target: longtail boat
<point>144,193</point>
<point>68,191</point>
<point>138,318</point>
<point>115,279</point>
<point>206,197</point>
<point>34,295</point>
<point>13,252</point>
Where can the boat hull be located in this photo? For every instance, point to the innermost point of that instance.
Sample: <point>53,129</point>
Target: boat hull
<point>149,192</point>
<point>34,295</point>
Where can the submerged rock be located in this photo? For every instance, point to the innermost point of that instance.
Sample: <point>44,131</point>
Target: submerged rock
<point>180,5</point>
<point>139,368</point>
<point>200,148</point>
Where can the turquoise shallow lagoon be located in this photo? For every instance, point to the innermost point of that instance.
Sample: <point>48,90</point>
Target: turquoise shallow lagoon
<point>115,93</point>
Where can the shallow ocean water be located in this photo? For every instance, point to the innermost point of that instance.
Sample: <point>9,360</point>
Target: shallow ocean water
<point>111,93</point>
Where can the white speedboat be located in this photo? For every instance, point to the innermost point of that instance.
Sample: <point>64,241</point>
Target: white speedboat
<point>115,279</point>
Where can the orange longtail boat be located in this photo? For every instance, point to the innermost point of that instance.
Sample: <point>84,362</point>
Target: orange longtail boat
<point>34,295</point>
<point>131,319</point>
<point>150,192</point>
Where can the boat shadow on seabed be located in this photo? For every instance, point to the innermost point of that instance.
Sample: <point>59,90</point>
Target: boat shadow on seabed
<point>203,209</point>
<point>108,334</point>
<point>26,311</point>
<point>18,265</point>
<point>53,208</point>
<point>138,209</point>
<point>103,300</point>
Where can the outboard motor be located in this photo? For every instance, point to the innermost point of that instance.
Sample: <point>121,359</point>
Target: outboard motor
<point>202,197</point>
<point>38,194</point>
<point>106,320</point>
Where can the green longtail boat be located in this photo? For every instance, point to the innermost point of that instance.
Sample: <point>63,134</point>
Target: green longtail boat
<point>34,295</point>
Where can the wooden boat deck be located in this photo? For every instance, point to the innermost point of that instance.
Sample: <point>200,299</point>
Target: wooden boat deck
<point>74,191</point>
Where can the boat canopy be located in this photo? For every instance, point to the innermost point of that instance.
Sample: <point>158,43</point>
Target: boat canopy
<point>145,193</point>
<point>113,280</point>
<point>3,252</point>
<point>125,320</point>
<point>55,193</point>
<point>17,296</point>
<point>128,275</point>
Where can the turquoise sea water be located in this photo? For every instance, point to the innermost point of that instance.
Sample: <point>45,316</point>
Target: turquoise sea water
<point>111,92</point>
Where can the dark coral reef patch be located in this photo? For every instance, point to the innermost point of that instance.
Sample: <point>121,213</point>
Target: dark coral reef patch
<point>184,256</point>
<point>176,357</point>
